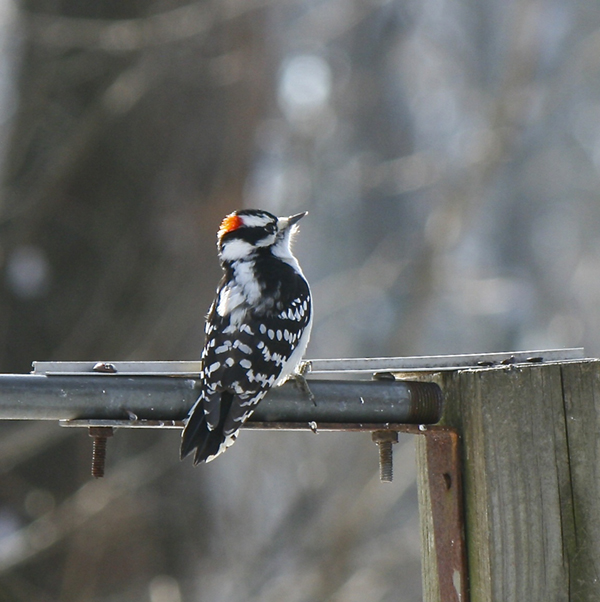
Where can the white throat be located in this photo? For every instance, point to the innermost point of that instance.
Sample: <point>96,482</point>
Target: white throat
<point>282,250</point>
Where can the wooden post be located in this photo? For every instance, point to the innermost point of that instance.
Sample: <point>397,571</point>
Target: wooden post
<point>531,473</point>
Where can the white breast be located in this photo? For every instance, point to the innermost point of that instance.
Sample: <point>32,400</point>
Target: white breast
<point>242,292</point>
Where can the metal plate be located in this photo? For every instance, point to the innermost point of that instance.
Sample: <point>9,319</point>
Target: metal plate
<point>425,363</point>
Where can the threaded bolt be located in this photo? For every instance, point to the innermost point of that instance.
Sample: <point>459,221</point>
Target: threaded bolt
<point>100,435</point>
<point>385,440</point>
<point>386,465</point>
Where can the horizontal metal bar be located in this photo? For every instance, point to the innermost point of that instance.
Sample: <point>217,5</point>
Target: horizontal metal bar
<point>425,363</point>
<point>255,425</point>
<point>160,398</point>
<point>433,363</point>
<point>166,368</point>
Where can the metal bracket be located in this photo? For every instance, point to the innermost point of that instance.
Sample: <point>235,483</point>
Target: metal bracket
<point>328,367</point>
<point>384,434</point>
<point>443,457</point>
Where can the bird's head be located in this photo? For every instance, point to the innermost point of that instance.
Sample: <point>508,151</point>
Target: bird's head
<point>243,233</point>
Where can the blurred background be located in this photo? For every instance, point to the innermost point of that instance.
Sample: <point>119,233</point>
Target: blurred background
<point>448,152</point>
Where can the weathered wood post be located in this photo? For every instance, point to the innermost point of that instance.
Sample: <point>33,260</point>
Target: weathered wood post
<point>531,472</point>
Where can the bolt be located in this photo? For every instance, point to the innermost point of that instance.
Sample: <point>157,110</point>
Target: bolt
<point>104,367</point>
<point>385,440</point>
<point>100,435</point>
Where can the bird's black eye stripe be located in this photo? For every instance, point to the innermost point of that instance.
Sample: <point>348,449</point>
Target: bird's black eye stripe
<point>251,234</point>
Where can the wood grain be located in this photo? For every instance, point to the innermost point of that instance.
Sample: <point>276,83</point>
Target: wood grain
<point>531,447</point>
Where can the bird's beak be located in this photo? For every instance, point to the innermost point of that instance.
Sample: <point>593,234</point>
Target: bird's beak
<point>288,222</point>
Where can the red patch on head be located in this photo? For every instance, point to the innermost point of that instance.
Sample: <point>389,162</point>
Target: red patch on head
<point>229,224</point>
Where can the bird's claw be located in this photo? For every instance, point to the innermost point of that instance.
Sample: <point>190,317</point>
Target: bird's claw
<point>302,383</point>
<point>304,368</point>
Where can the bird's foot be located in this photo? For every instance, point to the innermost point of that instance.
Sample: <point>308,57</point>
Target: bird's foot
<point>304,368</point>
<point>301,381</point>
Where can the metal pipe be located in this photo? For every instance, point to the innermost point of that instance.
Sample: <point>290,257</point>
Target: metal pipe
<point>350,401</point>
<point>115,397</point>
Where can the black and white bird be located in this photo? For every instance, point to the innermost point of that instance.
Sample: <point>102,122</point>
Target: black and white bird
<point>257,328</point>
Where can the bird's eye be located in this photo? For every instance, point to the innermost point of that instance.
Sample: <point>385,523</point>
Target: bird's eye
<point>271,228</point>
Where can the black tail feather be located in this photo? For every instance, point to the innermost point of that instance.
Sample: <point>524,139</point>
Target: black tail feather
<point>197,436</point>
<point>210,447</point>
<point>194,434</point>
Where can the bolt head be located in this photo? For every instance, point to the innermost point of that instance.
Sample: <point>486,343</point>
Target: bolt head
<point>385,436</point>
